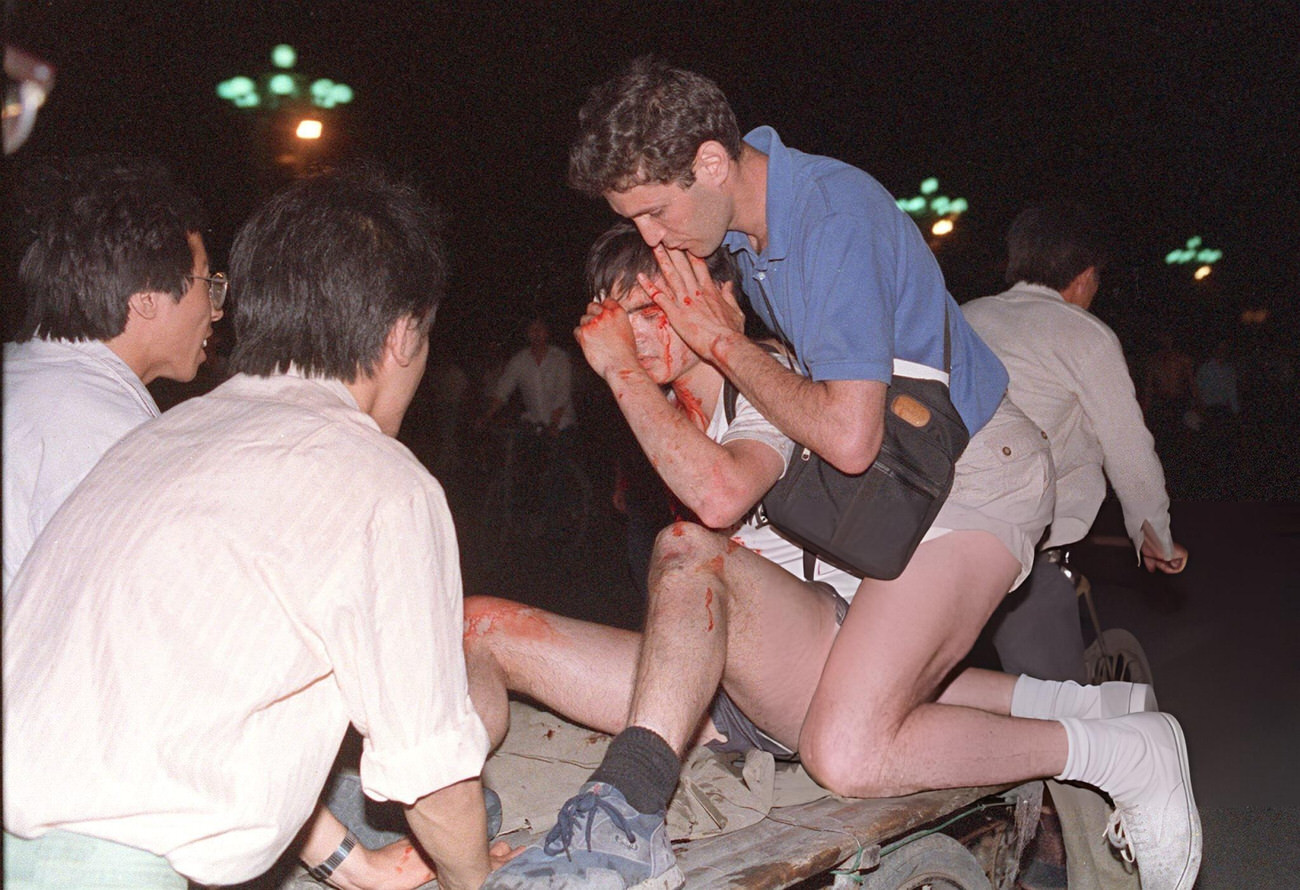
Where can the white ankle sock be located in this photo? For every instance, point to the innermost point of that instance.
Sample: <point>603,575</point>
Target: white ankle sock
<point>1043,699</point>
<point>1103,753</point>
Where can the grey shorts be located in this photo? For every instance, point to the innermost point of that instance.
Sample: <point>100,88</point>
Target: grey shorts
<point>741,732</point>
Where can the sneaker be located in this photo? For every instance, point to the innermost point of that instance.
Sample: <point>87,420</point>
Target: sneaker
<point>380,824</point>
<point>599,841</point>
<point>492,803</point>
<point>1155,824</point>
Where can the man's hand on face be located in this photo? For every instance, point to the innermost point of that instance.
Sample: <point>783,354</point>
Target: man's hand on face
<point>700,311</point>
<point>605,335</point>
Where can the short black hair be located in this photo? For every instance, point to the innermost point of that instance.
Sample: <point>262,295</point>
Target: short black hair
<point>645,126</point>
<point>1052,243</point>
<point>620,253</point>
<point>101,228</point>
<point>322,272</point>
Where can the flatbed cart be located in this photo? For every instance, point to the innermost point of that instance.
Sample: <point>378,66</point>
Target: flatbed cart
<point>959,839</point>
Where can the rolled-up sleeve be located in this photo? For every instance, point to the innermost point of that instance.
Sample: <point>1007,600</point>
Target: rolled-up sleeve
<point>397,653</point>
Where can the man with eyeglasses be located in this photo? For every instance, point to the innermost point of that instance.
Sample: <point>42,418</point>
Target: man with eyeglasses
<point>238,580</point>
<point>118,293</point>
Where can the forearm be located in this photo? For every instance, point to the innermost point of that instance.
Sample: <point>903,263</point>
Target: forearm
<point>451,826</point>
<point>843,421</point>
<point>700,472</point>
<point>322,837</point>
<point>395,867</point>
<point>1129,458</point>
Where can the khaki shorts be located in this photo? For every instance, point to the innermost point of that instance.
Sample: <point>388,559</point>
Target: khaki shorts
<point>1005,484</point>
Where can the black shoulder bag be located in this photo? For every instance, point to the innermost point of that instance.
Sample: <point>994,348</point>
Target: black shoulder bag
<point>871,523</point>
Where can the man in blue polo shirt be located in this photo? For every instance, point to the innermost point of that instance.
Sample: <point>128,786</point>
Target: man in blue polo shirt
<point>837,271</point>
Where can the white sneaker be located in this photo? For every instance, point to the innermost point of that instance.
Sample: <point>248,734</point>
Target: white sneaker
<point>1155,824</point>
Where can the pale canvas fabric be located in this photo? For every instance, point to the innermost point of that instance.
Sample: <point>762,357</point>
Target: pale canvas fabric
<point>545,759</point>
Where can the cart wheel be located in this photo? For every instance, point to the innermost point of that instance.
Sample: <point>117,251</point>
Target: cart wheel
<point>934,862</point>
<point>1117,655</point>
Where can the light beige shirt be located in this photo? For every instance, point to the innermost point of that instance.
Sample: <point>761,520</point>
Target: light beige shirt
<point>1069,376</point>
<point>192,633</point>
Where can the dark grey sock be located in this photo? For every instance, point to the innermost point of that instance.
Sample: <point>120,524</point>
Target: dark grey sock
<point>643,767</point>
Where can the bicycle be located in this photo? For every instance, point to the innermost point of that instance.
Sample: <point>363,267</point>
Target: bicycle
<point>1115,654</point>
<point>539,491</point>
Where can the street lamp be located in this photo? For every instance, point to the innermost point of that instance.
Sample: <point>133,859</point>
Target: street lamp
<point>283,86</point>
<point>299,108</point>
<point>1195,252</point>
<point>929,203</point>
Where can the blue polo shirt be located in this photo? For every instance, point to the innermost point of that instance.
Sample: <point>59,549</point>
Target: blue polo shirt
<point>850,282</point>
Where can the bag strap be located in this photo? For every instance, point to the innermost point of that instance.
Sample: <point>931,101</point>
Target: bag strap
<point>729,391</point>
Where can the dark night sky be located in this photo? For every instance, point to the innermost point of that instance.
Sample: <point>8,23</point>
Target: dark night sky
<point>1171,120</point>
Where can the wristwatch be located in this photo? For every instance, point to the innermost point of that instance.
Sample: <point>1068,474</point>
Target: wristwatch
<point>325,869</point>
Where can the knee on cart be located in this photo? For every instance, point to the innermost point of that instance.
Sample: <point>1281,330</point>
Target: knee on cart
<point>845,762</point>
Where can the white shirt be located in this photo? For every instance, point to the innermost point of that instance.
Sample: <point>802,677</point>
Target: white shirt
<point>542,387</point>
<point>65,403</point>
<point>1069,376</point>
<point>228,588</point>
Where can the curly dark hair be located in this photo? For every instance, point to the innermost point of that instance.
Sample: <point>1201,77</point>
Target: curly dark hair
<point>645,125</point>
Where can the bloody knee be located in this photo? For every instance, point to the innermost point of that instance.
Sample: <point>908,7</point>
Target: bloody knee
<point>490,620</point>
<point>688,545</point>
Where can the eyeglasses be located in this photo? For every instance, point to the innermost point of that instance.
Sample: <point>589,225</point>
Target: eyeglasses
<point>218,285</point>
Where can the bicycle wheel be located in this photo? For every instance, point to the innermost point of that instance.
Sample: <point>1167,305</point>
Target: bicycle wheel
<point>934,862</point>
<point>1117,655</point>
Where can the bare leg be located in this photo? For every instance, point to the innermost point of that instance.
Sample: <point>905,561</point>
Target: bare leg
<point>719,613</point>
<point>582,671</point>
<point>977,688</point>
<point>873,728</point>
